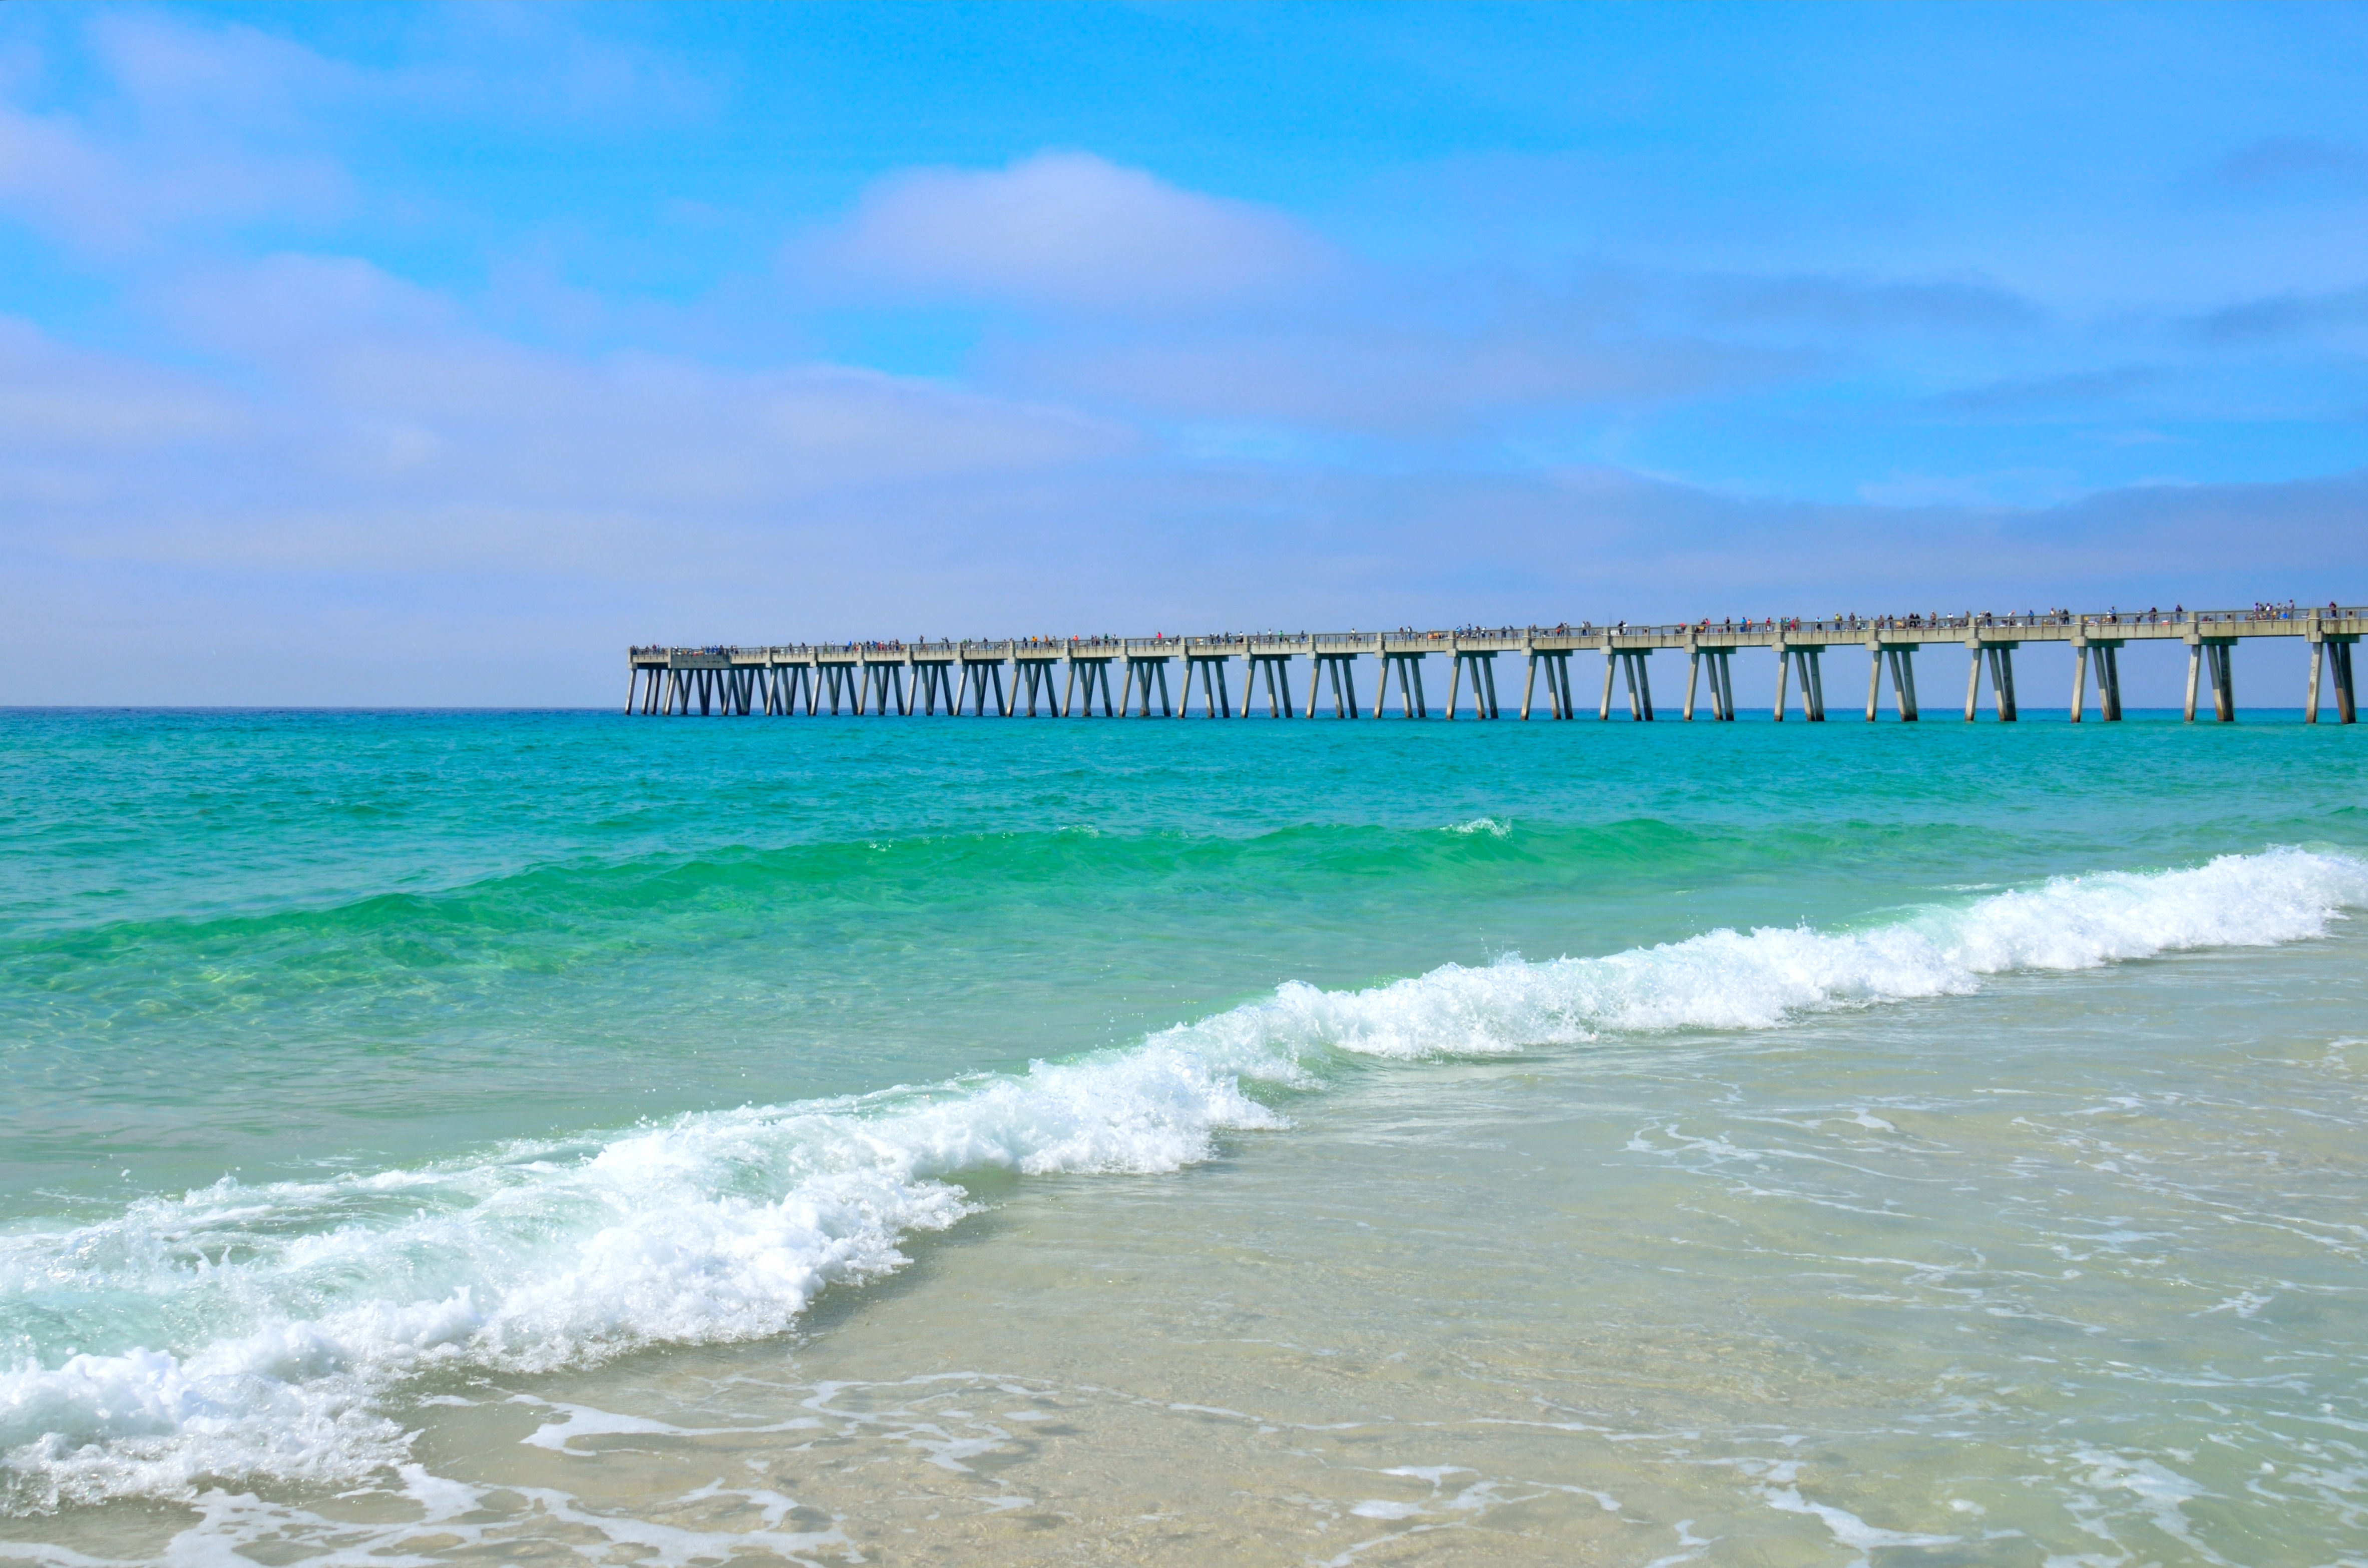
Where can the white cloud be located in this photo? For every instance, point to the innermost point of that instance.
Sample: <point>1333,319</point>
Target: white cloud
<point>56,400</point>
<point>1399,379</point>
<point>371,413</point>
<point>196,125</point>
<point>1064,229</point>
<point>180,144</point>
<point>168,70</point>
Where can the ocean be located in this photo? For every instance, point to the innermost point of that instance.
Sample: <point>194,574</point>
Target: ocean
<point>560,1137</point>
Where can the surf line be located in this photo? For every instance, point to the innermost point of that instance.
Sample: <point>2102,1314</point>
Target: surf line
<point>259,1330</point>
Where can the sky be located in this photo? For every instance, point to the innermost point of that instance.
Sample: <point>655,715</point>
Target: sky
<point>419,354</point>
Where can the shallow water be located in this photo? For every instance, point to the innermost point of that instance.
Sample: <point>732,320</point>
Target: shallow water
<point>453,1135</point>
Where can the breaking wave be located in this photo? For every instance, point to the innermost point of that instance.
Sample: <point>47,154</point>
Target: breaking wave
<point>284,1315</point>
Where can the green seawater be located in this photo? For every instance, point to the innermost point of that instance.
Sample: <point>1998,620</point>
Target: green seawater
<point>448,1134</point>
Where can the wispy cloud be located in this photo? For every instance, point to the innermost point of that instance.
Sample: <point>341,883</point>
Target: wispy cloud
<point>1865,303</point>
<point>198,132</point>
<point>1064,230</point>
<point>56,400</point>
<point>2276,162</point>
<point>1405,378</point>
<point>2046,394</point>
<point>2282,316</point>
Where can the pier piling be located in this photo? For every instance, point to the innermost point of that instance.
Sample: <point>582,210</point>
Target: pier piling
<point>2217,662</point>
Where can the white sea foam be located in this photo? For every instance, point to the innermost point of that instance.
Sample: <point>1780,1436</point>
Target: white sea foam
<point>1731,980</point>
<point>306,1302</point>
<point>1488,825</point>
<point>283,1315</point>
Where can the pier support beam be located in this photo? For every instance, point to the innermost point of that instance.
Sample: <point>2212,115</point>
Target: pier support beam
<point>2332,656</point>
<point>887,688</point>
<point>1031,681</point>
<point>1092,674</point>
<point>1276,668</point>
<point>2000,657</point>
<point>1903,681</point>
<point>2106,656</point>
<point>1409,666</point>
<point>1640,684</point>
<point>1806,661</point>
<point>976,678</point>
<point>1611,669</point>
<point>1217,702</point>
<point>1482,663</point>
<point>1342,668</point>
<point>1722,685</point>
<point>2217,664</point>
<point>1144,670</point>
<point>1783,685</point>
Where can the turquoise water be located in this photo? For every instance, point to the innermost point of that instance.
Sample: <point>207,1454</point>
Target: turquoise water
<point>443,1133</point>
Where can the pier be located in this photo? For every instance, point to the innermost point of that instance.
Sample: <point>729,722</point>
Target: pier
<point>1073,677</point>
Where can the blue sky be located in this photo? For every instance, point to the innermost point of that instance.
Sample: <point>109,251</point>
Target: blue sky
<point>430,354</point>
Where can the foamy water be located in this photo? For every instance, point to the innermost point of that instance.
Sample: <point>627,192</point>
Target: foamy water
<point>240,1332</point>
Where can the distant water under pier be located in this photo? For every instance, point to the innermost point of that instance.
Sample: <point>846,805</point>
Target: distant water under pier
<point>1155,677</point>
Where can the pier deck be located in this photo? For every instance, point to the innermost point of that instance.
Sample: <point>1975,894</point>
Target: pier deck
<point>1072,677</point>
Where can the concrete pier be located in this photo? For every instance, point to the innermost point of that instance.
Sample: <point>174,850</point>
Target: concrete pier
<point>1073,678</point>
